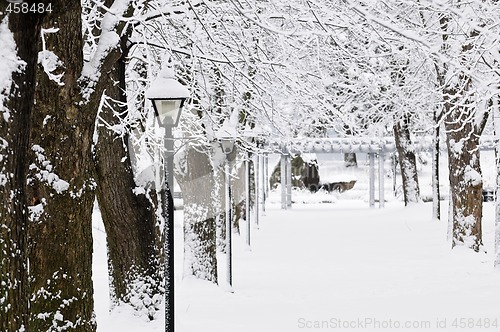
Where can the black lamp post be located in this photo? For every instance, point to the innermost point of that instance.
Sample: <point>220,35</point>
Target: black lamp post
<point>227,145</point>
<point>168,96</point>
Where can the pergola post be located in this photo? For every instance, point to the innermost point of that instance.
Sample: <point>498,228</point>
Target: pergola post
<point>288,181</point>
<point>381,172</point>
<point>394,170</point>
<point>257,187</point>
<point>265,182</point>
<point>371,158</point>
<point>283,165</point>
<point>247,197</point>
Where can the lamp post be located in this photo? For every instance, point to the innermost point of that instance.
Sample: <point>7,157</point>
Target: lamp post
<point>247,196</point>
<point>227,145</point>
<point>168,96</point>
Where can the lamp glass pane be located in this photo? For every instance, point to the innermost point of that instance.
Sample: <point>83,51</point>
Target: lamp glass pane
<point>227,146</point>
<point>168,111</point>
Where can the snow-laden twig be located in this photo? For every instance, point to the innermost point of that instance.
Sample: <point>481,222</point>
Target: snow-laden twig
<point>49,60</point>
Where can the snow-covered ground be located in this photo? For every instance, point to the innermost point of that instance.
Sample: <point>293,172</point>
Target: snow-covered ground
<point>333,263</point>
<point>337,266</point>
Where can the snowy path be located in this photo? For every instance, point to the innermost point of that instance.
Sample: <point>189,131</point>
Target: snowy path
<point>317,267</point>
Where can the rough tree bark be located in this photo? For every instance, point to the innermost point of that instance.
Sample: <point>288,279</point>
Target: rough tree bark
<point>129,216</point>
<point>436,195</point>
<point>197,185</point>
<point>239,190</point>
<point>60,185</point>
<point>466,184</point>
<point>465,181</point>
<point>496,123</point>
<point>463,126</point>
<point>350,160</point>
<point>402,137</point>
<point>220,206</point>
<point>407,160</point>
<point>16,105</point>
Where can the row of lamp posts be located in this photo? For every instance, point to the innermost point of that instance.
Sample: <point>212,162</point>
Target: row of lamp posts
<point>168,96</point>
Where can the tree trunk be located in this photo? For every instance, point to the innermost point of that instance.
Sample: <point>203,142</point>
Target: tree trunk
<point>15,124</point>
<point>350,160</point>
<point>436,195</point>
<point>407,160</point>
<point>197,185</point>
<point>220,206</point>
<point>239,193</point>
<point>60,186</point>
<point>133,236</point>
<point>463,129</point>
<point>466,184</point>
<point>496,123</point>
<point>129,216</point>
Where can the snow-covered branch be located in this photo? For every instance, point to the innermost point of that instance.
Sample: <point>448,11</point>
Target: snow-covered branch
<point>109,40</point>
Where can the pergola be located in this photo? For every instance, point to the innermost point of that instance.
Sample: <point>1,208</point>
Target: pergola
<point>372,146</point>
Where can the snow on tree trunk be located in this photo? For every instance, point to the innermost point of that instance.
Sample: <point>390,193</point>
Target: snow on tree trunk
<point>466,182</point>
<point>60,184</point>
<point>407,160</point>
<point>220,208</point>
<point>133,236</point>
<point>350,160</point>
<point>132,227</point>
<point>18,39</point>
<point>436,196</point>
<point>466,186</point>
<point>463,123</point>
<point>239,190</point>
<point>496,123</point>
<point>197,184</point>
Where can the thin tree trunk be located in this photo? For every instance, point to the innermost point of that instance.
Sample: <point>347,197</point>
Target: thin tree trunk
<point>15,124</point>
<point>449,231</point>
<point>404,146</point>
<point>496,123</point>
<point>61,186</point>
<point>436,196</point>
<point>130,219</point>
<point>350,160</point>
<point>407,160</point>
